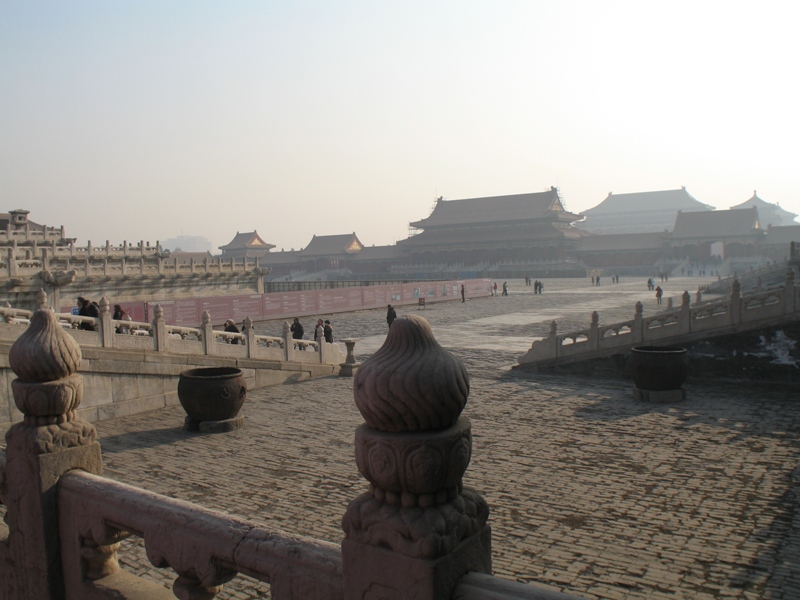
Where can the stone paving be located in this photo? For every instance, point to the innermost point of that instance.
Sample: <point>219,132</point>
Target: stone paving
<point>590,491</point>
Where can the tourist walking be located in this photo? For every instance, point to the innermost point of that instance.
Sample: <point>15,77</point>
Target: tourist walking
<point>391,315</point>
<point>494,289</point>
<point>463,293</point>
<point>119,315</point>
<point>297,329</point>
<point>328,331</point>
<point>659,293</point>
<point>505,288</point>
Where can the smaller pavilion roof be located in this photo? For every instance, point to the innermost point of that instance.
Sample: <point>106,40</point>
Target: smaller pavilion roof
<point>771,214</point>
<point>718,223</point>
<point>247,240</point>
<point>332,245</point>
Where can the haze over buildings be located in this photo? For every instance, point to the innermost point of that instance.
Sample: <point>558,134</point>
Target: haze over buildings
<point>124,121</point>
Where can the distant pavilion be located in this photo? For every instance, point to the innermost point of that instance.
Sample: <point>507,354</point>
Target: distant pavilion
<point>770,214</point>
<point>520,227</point>
<point>640,212</point>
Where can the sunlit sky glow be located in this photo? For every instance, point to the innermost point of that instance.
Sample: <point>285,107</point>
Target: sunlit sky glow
<point>147,120</point>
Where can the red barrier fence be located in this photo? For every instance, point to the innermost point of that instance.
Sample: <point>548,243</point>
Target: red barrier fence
<point>188,312</point>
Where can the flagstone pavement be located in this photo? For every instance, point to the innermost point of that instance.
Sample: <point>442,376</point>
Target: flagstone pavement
<point>590,491</point>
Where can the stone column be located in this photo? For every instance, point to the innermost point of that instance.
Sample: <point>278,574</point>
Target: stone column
<point>552,339</point>
<point>418,530</point>
<point>638,328</point>
<point>106,329</point>
<point>594,335</point>
<point>685,314</point>
<point>209,343</point>
<point>288,342</point>
<point>789,293</point>
<point>349,367</point>
<point>49,442</point>
<point>159,329</point>
<point>736,302</point>
<point>249,335</point>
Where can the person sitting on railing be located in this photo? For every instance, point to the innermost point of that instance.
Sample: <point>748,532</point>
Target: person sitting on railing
<point>87,309</point>
<point>230,327</point>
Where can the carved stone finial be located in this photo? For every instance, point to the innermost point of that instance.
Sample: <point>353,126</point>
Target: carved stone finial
<point>104,304</point>
<point>686,298</point>
<point>41,299</point>
<point>411,383</point>
<point>158,312</point>
<point>44,352</point>
<point>639,307</point>
<point>736,287</point>
<point>595,318</point>
<point>206,318</point>
<point>553,329</point>
<point>45,359</point>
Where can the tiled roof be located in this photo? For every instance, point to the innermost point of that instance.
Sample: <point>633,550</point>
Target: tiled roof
<point>719,223</point>
<point>518,207</point>
<point>377,253</point>
<point>768,213</point>
<point>249,239</point>
<point>647,201</point>
<point>332,245</point>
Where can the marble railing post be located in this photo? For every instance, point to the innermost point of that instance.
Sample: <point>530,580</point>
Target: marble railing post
<point>594,336</point>
<point>418,530</point>
<point>638,328</point>
<point>736,302</point>
<point>321,350</point>
<point>685,314</point>
<point>159,329</point>
<point>209,343</point>
<point>249,335</point>
<point>12,262</point>
<point>288,342</point>
<point>789,293</point>
<point>106,329</point>
<point>49,442</point>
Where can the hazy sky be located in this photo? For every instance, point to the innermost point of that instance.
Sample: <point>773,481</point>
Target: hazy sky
<point>145,120</point>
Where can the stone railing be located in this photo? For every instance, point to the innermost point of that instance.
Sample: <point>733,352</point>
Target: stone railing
<point>106,332</point>
<point>417,533</point>
<point>685,323</point>
<point>111,261</point>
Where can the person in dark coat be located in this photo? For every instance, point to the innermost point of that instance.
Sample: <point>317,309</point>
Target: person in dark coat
<point>328,331</point>
<point>87,309</point>
<point>297,329</point>
<point>230,327</point>
<point>391,315</point>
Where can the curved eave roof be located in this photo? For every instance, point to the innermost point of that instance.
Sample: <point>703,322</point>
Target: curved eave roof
<point>497,209</point>
<point>640,202</point>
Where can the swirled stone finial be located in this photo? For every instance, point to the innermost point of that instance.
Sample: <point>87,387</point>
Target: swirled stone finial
<point>44,352</point>
<point>411,383</point>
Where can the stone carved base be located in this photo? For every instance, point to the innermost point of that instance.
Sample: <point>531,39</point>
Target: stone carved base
<point>377,573</point>
<point>425,533</point>
<point>347,369</point>
<point>659,396</point>
<point>214,426</point>
<point>44,439</point>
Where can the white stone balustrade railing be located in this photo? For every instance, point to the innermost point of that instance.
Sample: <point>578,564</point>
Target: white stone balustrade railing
<point>95,514</point>
<point>160,337</point>
<point>678,325</point>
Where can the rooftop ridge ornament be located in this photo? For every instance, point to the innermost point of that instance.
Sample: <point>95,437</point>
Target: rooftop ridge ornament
<point>411,383</point>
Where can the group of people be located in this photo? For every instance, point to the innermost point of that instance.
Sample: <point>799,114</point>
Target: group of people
<point>596,279</point>
<point>323,330</point>
<point>538,287</point>
<point>90,308</point>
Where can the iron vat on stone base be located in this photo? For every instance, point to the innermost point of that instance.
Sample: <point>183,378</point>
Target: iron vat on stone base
<point>212,398</point>
<point>659,372</point>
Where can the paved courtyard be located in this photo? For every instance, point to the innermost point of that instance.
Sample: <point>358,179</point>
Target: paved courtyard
<point>590,491</point>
